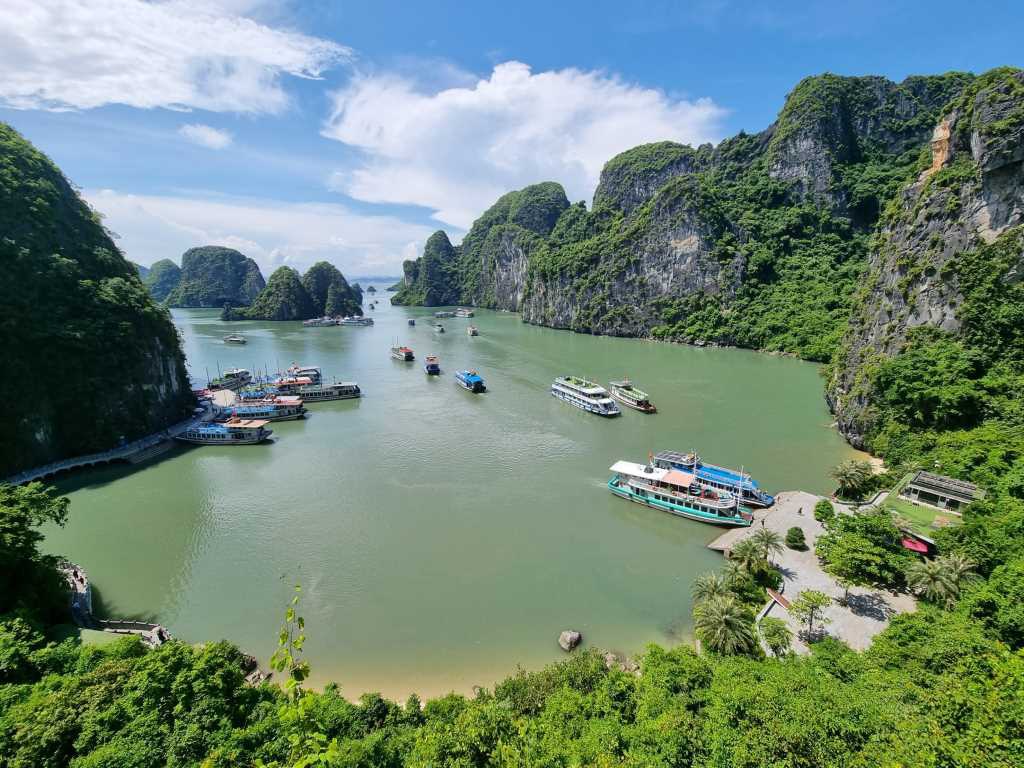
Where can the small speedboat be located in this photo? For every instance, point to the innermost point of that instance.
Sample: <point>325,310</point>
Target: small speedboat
<point>234,338</point>
<point>473,330</point>
<point>433,365</point>
<point>438,328</point>
<point>411,321</point>
<point>471,380</point>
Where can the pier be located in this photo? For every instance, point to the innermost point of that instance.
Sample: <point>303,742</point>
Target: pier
<point>135,452</point>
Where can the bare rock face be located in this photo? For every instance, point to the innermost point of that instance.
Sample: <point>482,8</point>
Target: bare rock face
<point>971,194</point>
<point>569,639</point>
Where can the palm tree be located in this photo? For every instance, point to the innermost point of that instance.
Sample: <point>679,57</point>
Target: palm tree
<point>709,586</point>
<point>852,476</point>
<point>940,580</point>
<point>723,626</point>
<point>746,554</point>
<point>769,542</point>
<point>932,580</point>
<point>961,569</point>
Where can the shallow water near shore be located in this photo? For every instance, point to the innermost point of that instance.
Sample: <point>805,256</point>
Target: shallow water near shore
<point>441,538</point>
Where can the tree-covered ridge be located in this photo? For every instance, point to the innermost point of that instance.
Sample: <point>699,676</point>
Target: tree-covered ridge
<point>758,242</point>
<point>162,278</point>
<point>449,275</point>
<point>932,367</point>
<point>75,314</point>
<point>330,291</point>
<point>212,276</point>
<point>284,298</point>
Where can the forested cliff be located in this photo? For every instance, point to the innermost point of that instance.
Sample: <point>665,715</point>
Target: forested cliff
<point>757,242</point>
<point>100,358</point>
<point>212,276</point>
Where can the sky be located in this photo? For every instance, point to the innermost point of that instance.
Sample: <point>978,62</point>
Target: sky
<point>349,131</point>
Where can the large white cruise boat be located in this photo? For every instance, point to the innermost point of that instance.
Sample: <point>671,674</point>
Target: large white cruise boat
<point>585,394</point>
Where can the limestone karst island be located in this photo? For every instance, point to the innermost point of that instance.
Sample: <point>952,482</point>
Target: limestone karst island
<point>556,385</point>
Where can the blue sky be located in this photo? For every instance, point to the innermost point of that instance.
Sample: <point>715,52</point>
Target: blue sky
<point>349,131</point>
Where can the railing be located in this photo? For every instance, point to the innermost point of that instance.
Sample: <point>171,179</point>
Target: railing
<point>716,503</point>
<point>104,457</point>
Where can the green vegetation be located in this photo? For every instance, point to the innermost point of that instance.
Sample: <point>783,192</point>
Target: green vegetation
<point>854,477</point>
<point>75,315</point>
<point>941,580</point>
<point>212,276</point>
<point>864,548</point>
<point>163,277</point>
<point>777,635</point>
<point>795,538</point>
<point>808,607</point>
<point>284,298</point>
<point>824,511</point>
<point>330,291</point>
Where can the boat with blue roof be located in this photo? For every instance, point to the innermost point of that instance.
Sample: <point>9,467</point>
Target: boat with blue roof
<point>432,365</point>
<point>267,408</point>
<point>736,482</point>
<point>233,432</point>
<point>676,492</point>
<point>471,380</point>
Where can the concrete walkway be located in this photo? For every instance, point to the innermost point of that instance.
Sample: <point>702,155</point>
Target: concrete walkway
<point>869,610</point>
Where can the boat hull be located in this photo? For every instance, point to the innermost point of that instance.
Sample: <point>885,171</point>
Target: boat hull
<point>631,404</point>
<point>679,510</point>
<point>235,441</point>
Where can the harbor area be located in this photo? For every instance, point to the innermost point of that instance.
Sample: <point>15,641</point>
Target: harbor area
<point>868,610</point>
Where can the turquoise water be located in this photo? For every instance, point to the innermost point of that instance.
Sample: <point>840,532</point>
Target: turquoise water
<point>441,537</point>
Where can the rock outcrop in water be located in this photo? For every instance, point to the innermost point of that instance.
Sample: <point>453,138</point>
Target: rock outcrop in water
<point>103,357</point>
<point>945,272</point>
<point>284,298</point>
<point>330,291</point>
<point>162,278</point>
<point>758,242</point>
<point>212,276</point>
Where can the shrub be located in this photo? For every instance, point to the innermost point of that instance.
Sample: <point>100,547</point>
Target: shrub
<point>795,538</point>
<point>824,511</point>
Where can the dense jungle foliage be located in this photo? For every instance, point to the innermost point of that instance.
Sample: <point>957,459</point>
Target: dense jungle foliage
<point>212,276</point>
<point>75,315</point>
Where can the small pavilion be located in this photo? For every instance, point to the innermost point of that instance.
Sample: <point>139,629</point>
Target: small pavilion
<point>940,491</point>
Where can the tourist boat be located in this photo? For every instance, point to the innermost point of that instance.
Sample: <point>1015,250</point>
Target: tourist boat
<point>444,313</point>
<point>268,409</point>
<point>473,330</point>
<point>628,395</point>
<point>295,371</point>
<point>234,338</point>
<point>438,327</point>
<point>316,393</point>
<point>321,322</point>
<point>463,312</point>
<point>233,432</point>
<point>585,395</point>
<point>402,353</point>
<point>471,380</point>
<point>433,365</point>
<point>738,483</point>
<point>677,492</point>
<point>356,320</point>
<point>411,321</point>
<point>233,379</point>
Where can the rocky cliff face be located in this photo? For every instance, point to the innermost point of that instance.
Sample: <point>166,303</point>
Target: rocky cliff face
<point>212,276</point>
<point>963,212</point>
<point>760,241</point>
<point>330,291</point>
<point>76,318</point>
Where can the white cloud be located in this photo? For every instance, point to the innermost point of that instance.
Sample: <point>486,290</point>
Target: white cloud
<point>274,233</point>
<point>65,54</point>
<point>205,135</point>
<point>459,149</point>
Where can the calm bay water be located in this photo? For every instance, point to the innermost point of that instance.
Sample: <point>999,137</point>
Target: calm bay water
<point>441,538</point>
